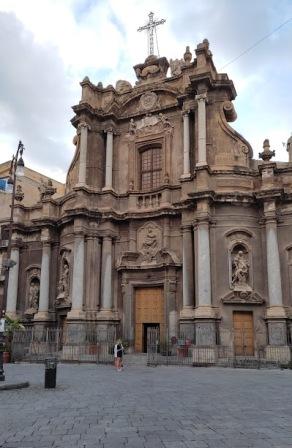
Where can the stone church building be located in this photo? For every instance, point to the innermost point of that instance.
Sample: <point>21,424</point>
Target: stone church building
<point>167,219</point>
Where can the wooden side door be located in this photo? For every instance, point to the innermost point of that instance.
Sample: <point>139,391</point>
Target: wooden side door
<point>149,308</point>
<point>243,333</point>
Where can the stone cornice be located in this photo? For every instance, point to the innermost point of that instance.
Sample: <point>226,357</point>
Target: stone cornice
<point>269,194</point>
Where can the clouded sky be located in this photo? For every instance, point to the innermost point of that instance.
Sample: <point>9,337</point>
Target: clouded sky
<point>48,46</point>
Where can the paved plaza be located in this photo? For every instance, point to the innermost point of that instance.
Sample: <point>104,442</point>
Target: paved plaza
<point>170,407</point>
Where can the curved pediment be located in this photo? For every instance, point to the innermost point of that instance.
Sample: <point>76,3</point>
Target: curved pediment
<point>150,100</point>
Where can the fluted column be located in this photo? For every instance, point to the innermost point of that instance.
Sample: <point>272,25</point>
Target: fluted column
<point>78,277</point>
<point>109,159</point>
<point>83,129</point>
<point>188,269</point>
<point>12,289</point>
<point>43,311</point>
<point>202,131</point>
<point>106,275</point>
<point>186,141</point>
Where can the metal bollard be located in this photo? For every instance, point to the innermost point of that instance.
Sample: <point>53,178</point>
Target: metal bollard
<point>50,373</point>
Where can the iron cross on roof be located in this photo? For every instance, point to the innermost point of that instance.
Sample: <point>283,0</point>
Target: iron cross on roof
<point>150,27</point>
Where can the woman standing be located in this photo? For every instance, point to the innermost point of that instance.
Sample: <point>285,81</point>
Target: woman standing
<point>118,354</point>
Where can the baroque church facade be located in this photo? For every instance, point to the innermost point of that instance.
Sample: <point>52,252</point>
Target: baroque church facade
<point>167,219</point>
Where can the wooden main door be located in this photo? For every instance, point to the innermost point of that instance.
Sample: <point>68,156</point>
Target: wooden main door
<point>149,309</point>
<point>243,333</point>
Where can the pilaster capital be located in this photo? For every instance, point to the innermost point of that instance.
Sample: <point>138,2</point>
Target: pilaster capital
<point>110,130</point>
<point>186,228</point>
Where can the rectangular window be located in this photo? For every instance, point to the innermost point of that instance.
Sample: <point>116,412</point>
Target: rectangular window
<point>151,168</point>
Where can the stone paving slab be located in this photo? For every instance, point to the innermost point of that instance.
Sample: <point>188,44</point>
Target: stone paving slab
<point>142,407</point>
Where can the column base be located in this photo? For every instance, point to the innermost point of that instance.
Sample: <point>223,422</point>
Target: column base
<point>76,315</point>
<point>107,188</point>
<point>201,164</point>
<point>42,316</point>
<point>105,314</point>
<point>205,312</point>
<point>187,312</point>
<point>276,312</point>
<point>186,176</point>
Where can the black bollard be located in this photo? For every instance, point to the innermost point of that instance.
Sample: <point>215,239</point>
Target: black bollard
<point>50,373</point>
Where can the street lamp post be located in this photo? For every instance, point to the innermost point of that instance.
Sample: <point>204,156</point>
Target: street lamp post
<point>16,169</point>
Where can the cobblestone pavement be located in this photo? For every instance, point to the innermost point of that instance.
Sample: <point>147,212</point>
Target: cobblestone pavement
<point>168,407</point>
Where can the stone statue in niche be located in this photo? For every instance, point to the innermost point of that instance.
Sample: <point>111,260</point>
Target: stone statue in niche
<point>33,296</point>
<point>63,286</point>
<point>240,269</point>
<point>132,126</point>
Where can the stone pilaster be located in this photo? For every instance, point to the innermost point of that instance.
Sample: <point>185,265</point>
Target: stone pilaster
<point>109,160</point>
<point>78,277</point>
<point>43,311</point>
<point>12,290</point>
<point>83,129</point>
<point>202,130</point>
<point>106,275</point>
<point>186,144</point>
<point>188,272</point>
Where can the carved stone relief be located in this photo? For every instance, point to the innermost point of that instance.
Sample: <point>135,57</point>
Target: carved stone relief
<point>149,241</point>
<point>149,124</point>
<point>148,100</point>
<point>176,66</point>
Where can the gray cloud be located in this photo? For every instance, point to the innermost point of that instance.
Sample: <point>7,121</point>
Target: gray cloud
<point>35,96</point>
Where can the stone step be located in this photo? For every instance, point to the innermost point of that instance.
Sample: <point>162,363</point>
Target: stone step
<point>137,359</point>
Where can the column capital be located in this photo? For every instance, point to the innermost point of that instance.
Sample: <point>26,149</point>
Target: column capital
<point>185,113</point>
<point>201,96</point>
<point>110,130</point>
<point>83,125</point>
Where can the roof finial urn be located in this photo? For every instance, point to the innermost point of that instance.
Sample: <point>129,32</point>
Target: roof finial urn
<point>187,55</point>
<point>267,154</point>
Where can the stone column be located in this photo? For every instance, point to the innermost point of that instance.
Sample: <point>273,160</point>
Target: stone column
<point>12,289</point>
<point>188,270</point>
<point>78,277</point>
<point>276,315</point>
<point>109,160</point>
<point>186,121</point>
<point>106,275</point>
<point>202,132</point>
<point>43,311</point>
<point>203,264</point>
<point>273,264</point>
<point>93,257</point>
<point>83,129</point>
